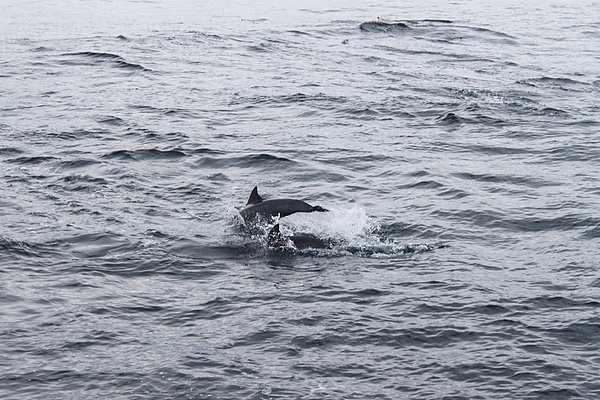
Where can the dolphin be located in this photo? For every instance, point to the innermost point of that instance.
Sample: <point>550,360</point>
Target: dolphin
<point>278,239</point>
<point>258,208</point>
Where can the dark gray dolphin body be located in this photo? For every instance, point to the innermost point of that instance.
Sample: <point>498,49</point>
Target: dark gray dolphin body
<point>278,239</point>
<point>257,207</point>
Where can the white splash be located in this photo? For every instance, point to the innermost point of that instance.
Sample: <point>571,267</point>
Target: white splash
<point>351,226</point>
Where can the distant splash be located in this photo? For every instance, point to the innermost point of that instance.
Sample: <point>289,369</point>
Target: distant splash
<point>353,231</point>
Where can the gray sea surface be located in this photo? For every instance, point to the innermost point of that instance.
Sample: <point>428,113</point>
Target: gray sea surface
<point>456,145</point>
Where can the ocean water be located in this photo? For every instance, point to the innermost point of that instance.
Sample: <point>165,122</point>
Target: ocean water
<point>456,145</point>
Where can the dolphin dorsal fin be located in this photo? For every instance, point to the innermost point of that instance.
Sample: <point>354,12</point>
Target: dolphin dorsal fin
<point>254,197</point>
<point>275,238</point>
<point>275,230</point>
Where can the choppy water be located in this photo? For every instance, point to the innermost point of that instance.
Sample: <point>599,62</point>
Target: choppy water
<point>457,146</point>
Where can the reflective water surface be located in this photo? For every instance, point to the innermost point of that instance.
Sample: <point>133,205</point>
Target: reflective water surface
<point>455,145</point>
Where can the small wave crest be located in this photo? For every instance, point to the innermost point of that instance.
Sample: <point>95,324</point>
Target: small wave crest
<point>380,26</point>
<point>96,58</point>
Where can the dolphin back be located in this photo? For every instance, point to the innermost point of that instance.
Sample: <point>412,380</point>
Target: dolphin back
<point>257,207</point>
<point>274,208</point>
<point>278,239</point>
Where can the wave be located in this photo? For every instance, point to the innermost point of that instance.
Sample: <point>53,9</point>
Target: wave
<point>551,81</point>
<point>94,58</point>
<point>34,160</point>
<point>386,27</point>
<point>144,154</point>
<point>437,30</point>
<point>262,161</point>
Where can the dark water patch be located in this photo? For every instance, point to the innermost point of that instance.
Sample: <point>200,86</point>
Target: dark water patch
<point>580,333</point>
<point>584,123</point>
<point>262,48</point>
<point>489,309</point>
<point>560,224</point>
<point>559,302</point>
<point>424,338</point>
<point>554,394</point>
<point>218,177</point>
<point>148,136</point>
<point>573,153</point>
<point>264,161</point>
<point>77,183</point>
<point>353,371</point>
<point>75,164</point>
<point>8,299</point>
<point>112,120</point>
<point>553,112</point>
<point>363,162</point>
<point>167,111</point>
<point>11,248</point>
<point>320,100</point>
<point>378,61</point>
<point>453,194</point>
<point>95,245</point>
<point>211,36</point>
<point>41,49</point>
<point>401,229</point>
<point>78,134</point>
<point>211,310</point>
<point>27,179</point>
<point>511,179</point>
<point>74,384</point>
<point>383,27</point>
<point>556,83</point>
<point>10,151</point>
<point>593,233</point>
<point>94,338</point>
<point>477,217</point>
<point>203,362</point>
<point>496,150</point>
<point>90,54</point>
<point>418,173</point>
<point>145,154</point>
<point>506,324</point>
<point>413,52</point>
<point>424,184</point>
<point>361,296</point>
<point>450,119</point>
<point>440,31</point>
<point>193,38</point>
<point>430,21</point>
<point>133,263</point>
<point>491,31</point>
<point>316,176</point>
<point>195,250</point>
<point>488,218</point>
<point>180,113</point>
<point>478,372</point>
<point>301,33</point>
<point>360,113</point>
<point>33,160</point>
